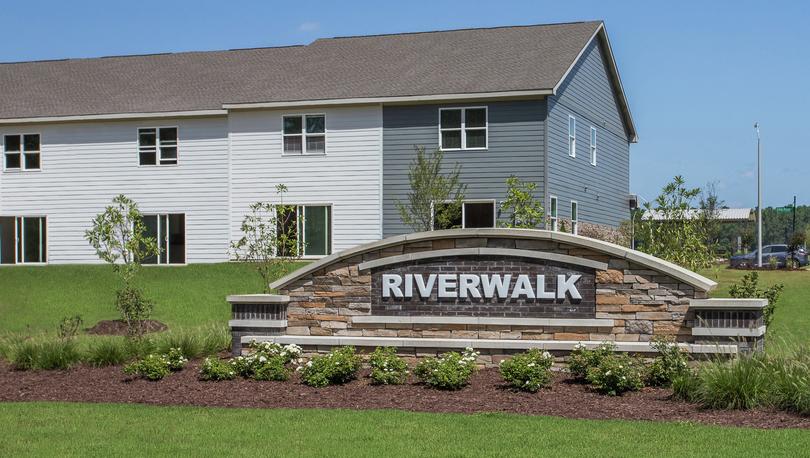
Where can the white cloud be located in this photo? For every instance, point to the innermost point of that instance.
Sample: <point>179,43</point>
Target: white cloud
<point>309,27</point>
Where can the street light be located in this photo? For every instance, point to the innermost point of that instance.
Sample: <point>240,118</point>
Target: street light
<point>759,197</point>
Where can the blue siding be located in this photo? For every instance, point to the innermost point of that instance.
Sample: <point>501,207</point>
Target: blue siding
<point>601,191</point>
<point>516,145</point>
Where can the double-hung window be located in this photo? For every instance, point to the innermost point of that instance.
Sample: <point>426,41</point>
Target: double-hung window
<point>157,146</point>
<point>310,226</point>
<point>463,128</point>
<point>304,134</point>
<point>169,230</point>
<point>472,214</point>
<point>572,136</point>
<point>23,239</point>
<point>21,152</point>
<point>552,214</point>
<point>574,217</point>
<point>593,145</point>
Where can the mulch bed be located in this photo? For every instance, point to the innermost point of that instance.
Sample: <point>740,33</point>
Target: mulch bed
<point>119,327</point>
<point>486,393</point>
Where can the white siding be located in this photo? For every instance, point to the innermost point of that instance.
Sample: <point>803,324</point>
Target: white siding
<point>347,177</point>
<point>85,164</point>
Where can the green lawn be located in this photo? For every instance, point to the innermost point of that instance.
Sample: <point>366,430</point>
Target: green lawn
<point>792,319</point>
<point>35,298</point>
<point>138,430</point>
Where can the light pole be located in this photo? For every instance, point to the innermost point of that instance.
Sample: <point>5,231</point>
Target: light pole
<point>759,197</point>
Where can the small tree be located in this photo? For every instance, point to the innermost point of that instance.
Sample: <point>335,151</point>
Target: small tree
<point>523,209</point>
<point>676,235</point>
<point>119,237</point>
<point>431,192</point>
<point>269,238</point>
<point>796,241</point>
<point>748,287</point>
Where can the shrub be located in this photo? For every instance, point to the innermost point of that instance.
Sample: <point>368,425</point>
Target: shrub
<point>616,374</point>
<point>338,366</point>
<point>69,327</point>
<point>176,360</point>
<point>387,368</point>
<point>214,369</point>
<point>152,367</point>
<point>108,352</point>
<point>288,353</point>
<point>269,361</point>
<point>528,371</point>
<point>44,354</point>
<point>451,371</point>
<point>748,287</point>
<point>668,365</point>
<point>582,359</point>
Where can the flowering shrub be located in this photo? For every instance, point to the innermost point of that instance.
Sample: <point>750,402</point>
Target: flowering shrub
<point>451,371</point>
<point>387,368</point>
<point>288,353</point>
<point>528,371</point>
<point>215,369</point>
<point>338,366</point>
<point>582,359</point>
<point>269,361</point>
<point>668,365</point>
<point>175,359</point>
<point>616,374</point>
<point>152,367</point>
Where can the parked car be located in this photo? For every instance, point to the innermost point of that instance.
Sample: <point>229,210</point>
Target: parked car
<point>780,252</point>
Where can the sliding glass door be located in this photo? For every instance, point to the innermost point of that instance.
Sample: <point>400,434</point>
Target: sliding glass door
<point>169,230</point>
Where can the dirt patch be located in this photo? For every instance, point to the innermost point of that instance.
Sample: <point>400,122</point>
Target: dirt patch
<point>486,393</point>
<point>119,327</point>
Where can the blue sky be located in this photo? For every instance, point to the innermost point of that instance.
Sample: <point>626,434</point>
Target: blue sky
<point>698,74</point>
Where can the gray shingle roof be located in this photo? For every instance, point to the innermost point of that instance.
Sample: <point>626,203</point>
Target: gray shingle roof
<point>415,64</point>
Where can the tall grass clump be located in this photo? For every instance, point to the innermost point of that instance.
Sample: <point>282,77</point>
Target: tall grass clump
<point>44,354</point>
<point>741,383</point>
<point>789,381</point>
<point>194,342</point>
<point>110,351</point>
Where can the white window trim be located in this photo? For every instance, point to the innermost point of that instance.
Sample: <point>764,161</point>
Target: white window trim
<point>19,239</point>
<point>330,230</point>
<point>463,128</point>
<point>21,168</point>
<point>593,140</point>
<point>463,211</point>
<point>304,134</point>
<point>185,236</point>
<point>574,222</point>
<point>158,152</point>
<point>554,218</point>
<point>572,139</point>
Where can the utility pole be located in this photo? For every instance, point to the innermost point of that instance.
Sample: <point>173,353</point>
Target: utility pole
<point>794,216</point>
<point>759,197</point>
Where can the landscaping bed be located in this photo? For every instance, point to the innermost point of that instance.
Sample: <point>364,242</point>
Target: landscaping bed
<point>486,392</point>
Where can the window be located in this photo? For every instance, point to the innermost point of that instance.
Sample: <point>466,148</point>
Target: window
<point>23,239</point>
<point>553,213</point>
<point>593,145</point>
<point>463,128</point>
<point>169,230</point>
<point>471,215</point>
<point>157,146</point>
<point>305,134</point>
<point>572,136</point>
<point>311,225</point>
<point>21,152</point>
<point>574,217</point>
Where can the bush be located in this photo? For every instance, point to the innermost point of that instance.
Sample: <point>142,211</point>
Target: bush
<point>616,374</point>
<point>175,359</point>
<point>69,327</point>
<point>387,368</point>
<point>668,365</point>
<point>214,369</point>
<point>582,359</point>
<point>451,371</point>
<point>528,371</point>
<point>152,367</point>
<point>47,354</point>
<point>269,361</point>
<point>108,352</point>
<point>338,366</point>
<point>748,287</point>
<point>288,353</point>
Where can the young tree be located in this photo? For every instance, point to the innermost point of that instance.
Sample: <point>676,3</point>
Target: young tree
<point>119,237</point>
<point>523,209</point>
<point>796,241</point>
<point>676,235</point>
<point>269,238</point>
<point>431,191</point>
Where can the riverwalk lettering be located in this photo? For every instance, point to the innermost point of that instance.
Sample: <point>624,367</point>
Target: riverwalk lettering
<point>449,286</point>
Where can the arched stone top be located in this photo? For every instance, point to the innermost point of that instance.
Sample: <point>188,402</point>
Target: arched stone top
<point>644,260</point>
